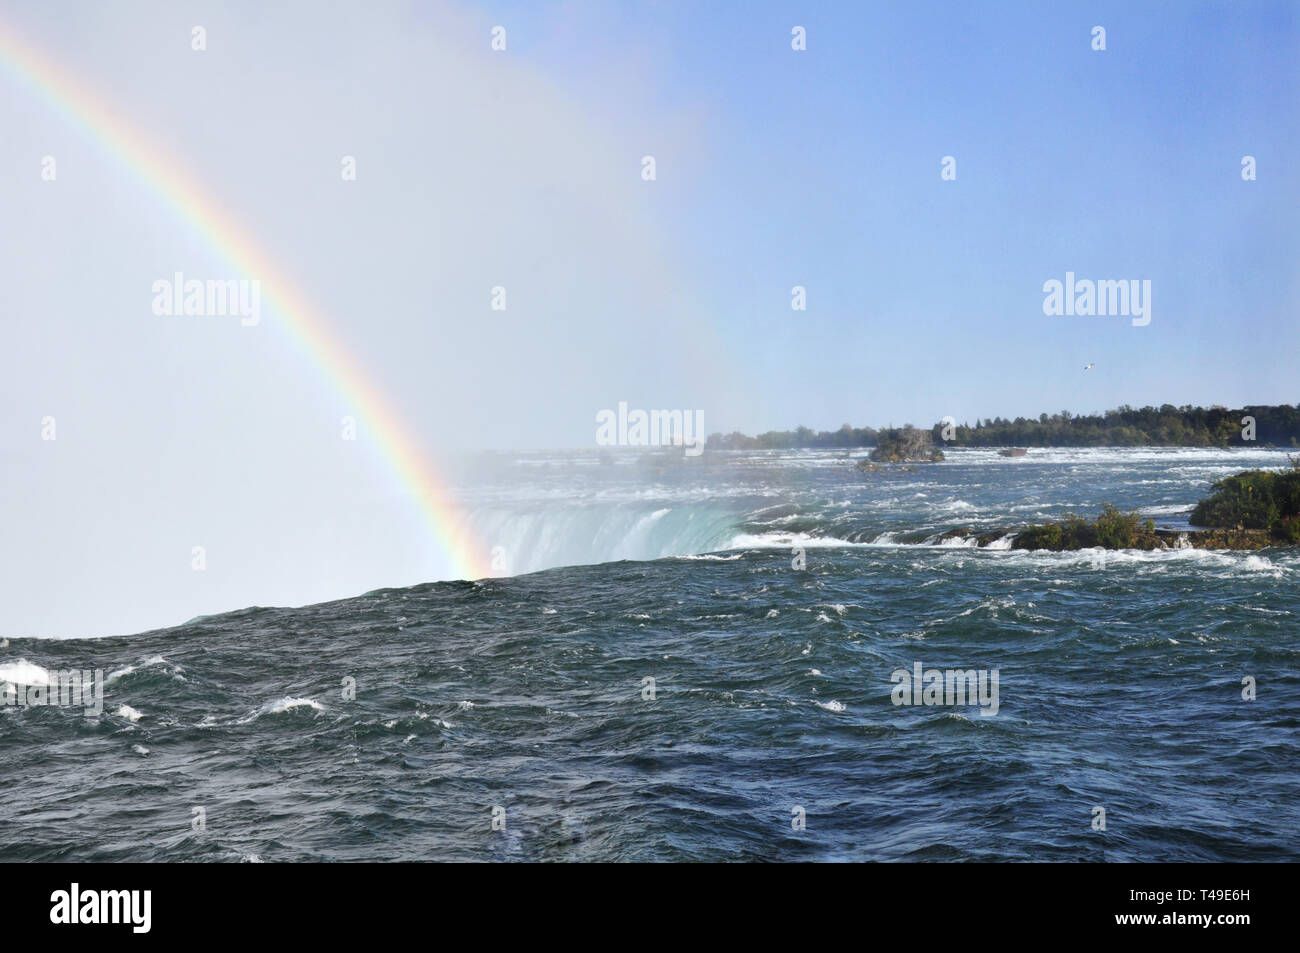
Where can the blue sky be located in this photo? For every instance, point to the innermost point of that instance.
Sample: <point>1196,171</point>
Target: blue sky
<point>821,168</point>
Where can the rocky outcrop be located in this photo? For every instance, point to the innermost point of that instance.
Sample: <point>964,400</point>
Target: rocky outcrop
<point>1265,505</point>
<point>905,445</point>
<point>1143,539</point>
<point>1264,500</point>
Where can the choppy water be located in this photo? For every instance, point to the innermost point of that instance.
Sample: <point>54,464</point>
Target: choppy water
<point>1120,680</point>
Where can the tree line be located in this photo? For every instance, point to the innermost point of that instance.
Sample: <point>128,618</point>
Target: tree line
<point>1125,426</point>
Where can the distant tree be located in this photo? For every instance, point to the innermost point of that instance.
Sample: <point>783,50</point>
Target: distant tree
<point>1123,427</point>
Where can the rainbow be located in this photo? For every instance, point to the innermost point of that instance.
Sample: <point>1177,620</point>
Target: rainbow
<point>399,448</point>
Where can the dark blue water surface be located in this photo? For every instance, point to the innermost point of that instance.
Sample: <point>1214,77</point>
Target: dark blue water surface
<point>1120,687</point>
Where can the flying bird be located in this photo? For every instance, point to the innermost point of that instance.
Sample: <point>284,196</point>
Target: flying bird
<point>1087,367</point>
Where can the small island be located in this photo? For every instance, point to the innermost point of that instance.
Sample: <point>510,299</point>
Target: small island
<point>904,445</point>
<point>1254,509</point>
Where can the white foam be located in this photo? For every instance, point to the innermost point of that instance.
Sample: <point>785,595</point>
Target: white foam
<point>959,542</point>
<point>1159,560</point>
<point>149,662</point>
<point>23,672</point>
<point>288,702</point>
<point>832,706</point>
<point>1003,542</point>
<point>129,713</point>
<point>788,540</point>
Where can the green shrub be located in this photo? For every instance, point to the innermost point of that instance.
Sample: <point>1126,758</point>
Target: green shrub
<point>1245,500</point>
<point>1287,530</point>
<point>1078,532</point>
<point>1047,536</point>
<point>1255,499</point>
<point>1286,490</point>
<point>1115,529</point>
